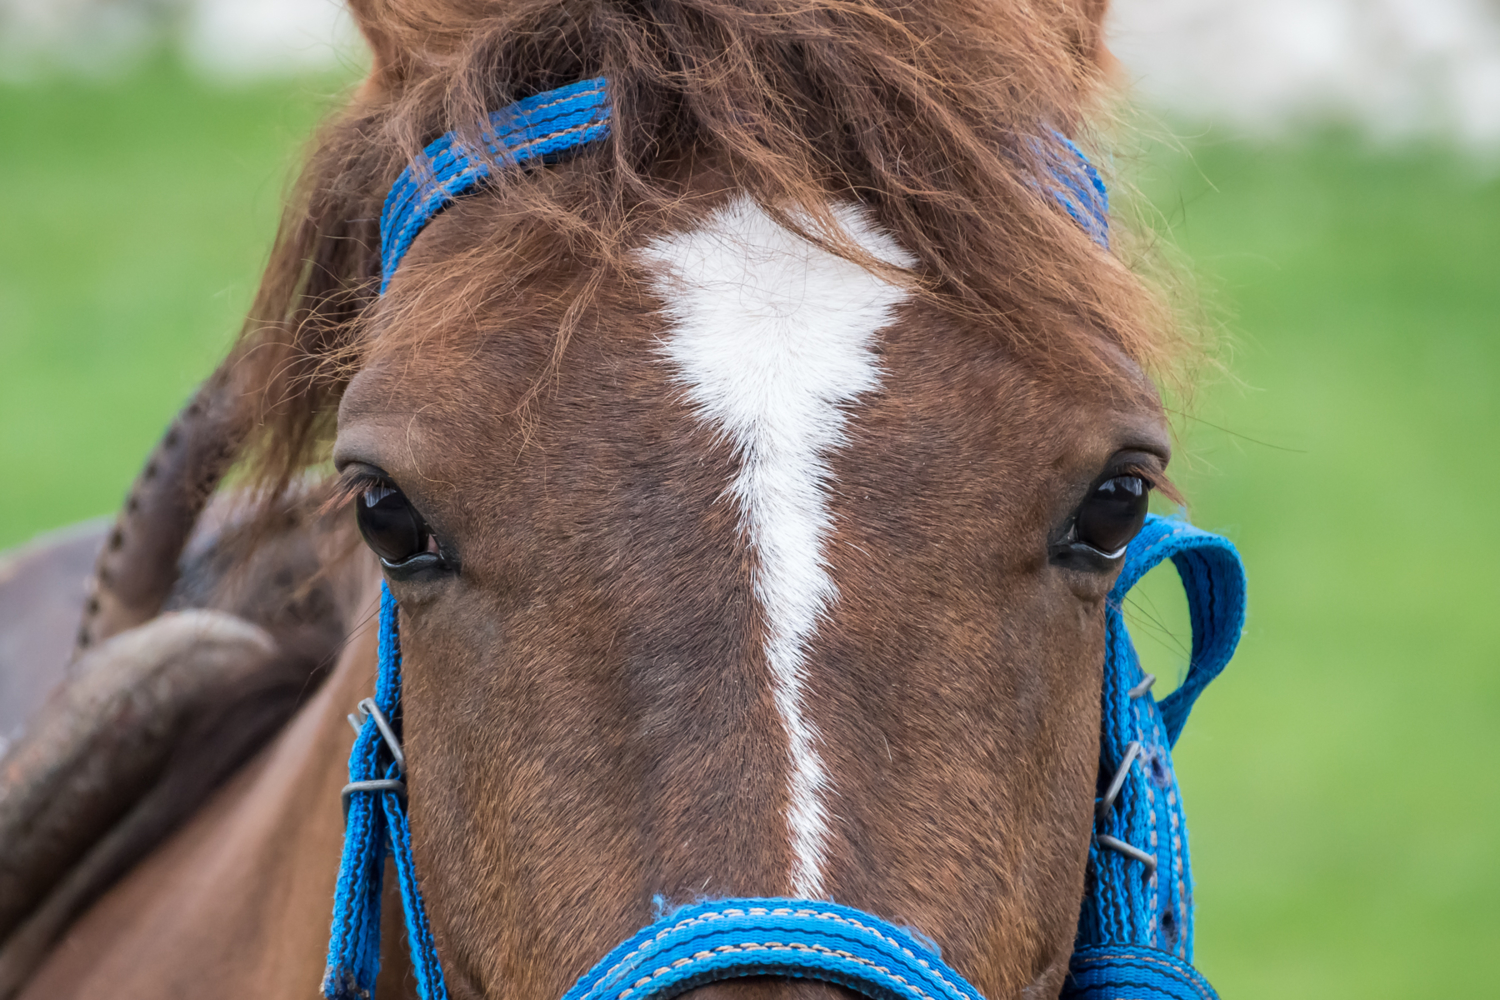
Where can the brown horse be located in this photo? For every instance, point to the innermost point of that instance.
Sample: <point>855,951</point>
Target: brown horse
<point>750,483</point>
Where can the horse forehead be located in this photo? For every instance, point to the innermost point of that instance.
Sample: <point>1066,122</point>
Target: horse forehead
<point>761,298</point>
<point>754,267</point>
<point>744,321</point>
<point>765,329</point>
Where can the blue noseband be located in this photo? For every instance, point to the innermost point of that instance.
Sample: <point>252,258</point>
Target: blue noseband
<point>1135,931</point>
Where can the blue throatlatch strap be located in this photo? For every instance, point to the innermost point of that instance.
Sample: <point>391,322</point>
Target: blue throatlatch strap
<point>1135,930</point>
<point>377,823</point>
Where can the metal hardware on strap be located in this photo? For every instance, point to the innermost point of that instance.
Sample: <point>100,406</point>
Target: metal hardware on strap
<point>368,709</point>
<point>1129,850</point>
<point>1117,782</point>
<point>1139,691</point>
<point>1102,810</point>
<point>376,785</point>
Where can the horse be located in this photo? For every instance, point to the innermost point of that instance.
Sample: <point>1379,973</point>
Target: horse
<point>749,479</point>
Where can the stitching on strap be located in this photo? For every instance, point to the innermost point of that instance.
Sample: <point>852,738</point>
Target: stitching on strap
<point>750,946</point>
<point>713,915</point>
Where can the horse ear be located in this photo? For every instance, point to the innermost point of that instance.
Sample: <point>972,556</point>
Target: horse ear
<point>137,567</point>
<point>390,62</point>
<point>1092,15</point>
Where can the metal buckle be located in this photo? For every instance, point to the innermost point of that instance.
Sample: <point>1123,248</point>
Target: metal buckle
<point>1107,803</point>
<point>367,709</point>
<point>1129,850</point>
<point>1118,781</point>
<point>377,785</point>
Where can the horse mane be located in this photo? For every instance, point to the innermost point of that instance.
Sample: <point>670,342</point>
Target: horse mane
<point>936,114</point>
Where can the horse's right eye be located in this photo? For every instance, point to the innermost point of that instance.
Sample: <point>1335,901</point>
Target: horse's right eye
<point>1113,514</point>
<point>391,526</point>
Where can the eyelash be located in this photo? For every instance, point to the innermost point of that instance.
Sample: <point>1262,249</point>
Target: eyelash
<point>1158,482</point>
<point>350,485</point>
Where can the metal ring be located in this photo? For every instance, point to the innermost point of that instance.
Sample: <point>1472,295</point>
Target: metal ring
<point>1118,781</point>
<point>369,707</point>
<point>1129,850</point>
<point>376,785</point>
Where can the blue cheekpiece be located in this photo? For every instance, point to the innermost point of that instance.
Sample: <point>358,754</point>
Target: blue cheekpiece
<point>1136,927</point>
<point>1135,931</point>
<point>376,823</point>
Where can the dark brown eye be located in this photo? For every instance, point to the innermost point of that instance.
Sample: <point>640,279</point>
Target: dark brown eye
<point>391,526</point>
<point>1113,514</point>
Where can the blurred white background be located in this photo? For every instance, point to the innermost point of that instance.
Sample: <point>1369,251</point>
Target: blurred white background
<point>1393,68</point>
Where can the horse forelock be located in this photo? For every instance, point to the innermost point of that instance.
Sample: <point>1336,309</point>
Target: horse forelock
<point>928,113</point>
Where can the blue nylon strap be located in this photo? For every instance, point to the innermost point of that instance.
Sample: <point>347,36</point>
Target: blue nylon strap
<point>377,823</point>
<point>1078,188</point>
<point>1128,903</point>
<point>532,130</point>
<point>1214,580</point>
<point>1125,973</point>
<point>729,938</point>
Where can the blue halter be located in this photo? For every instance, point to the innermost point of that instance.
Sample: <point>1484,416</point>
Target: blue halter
<point>1135,930</point>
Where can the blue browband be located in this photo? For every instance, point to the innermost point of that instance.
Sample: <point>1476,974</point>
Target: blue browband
<point>562,121</point>
<point>534,130</point>
<point>1135,931</point>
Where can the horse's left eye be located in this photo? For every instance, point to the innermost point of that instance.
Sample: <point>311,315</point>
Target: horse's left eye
<point>1113,514</point>
<point>390,525</point>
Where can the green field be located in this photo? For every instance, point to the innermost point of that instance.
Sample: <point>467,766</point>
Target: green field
<point>1341,776</point>
<point>1342,779</point>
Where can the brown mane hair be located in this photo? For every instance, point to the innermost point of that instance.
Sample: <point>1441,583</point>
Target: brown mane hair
<point>927,110</point>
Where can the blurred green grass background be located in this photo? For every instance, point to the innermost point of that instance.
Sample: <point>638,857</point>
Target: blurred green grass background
<point>1342,779</point>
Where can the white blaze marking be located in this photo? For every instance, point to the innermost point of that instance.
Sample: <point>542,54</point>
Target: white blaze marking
<point>772,338</point>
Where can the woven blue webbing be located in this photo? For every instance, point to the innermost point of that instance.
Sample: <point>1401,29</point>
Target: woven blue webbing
<point>1078,188</point>
<point>1128,905</point>
<point>1126,973</point>
<point>535,129</point>
<point>729,938</point>
<point>376,824</point>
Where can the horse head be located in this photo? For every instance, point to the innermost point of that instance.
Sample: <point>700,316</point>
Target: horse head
<point>751,482</point>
